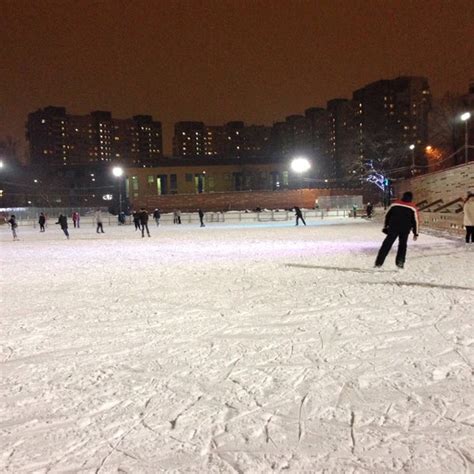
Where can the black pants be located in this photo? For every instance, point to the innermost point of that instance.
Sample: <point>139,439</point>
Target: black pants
<point>202,222</point>
<point>100,227</point>
<point>66,233</point>
<point>145,226</point>
<point>41,227</point>
<point>298,220</point>
<point>469,234</point>
<point>387,245</point>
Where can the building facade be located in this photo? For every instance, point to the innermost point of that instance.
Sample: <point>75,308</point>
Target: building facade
<point>231,140</point>
<point>342,138</point>
<point>389,117</point>
<point>58,138</point>
<point>196,176</point>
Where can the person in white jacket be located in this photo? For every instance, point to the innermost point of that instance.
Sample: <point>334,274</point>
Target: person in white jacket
<point>469,217</point>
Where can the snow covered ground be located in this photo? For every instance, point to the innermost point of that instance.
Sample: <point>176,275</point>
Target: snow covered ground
<point>235,348</point>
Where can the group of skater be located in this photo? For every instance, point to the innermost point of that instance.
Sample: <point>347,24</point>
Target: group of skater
<point>400,221</point>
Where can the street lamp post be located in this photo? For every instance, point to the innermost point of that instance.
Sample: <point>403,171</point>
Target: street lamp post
<point>412,148</point>
<point>117,171</point>
<point>465,118</point>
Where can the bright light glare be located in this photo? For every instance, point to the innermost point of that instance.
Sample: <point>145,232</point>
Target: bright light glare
<point>429,148</point>
<point>465,116</point>
<point>412,147</point>
<point>1,164</point>
<point>117,171</point>
<point>300,165</point>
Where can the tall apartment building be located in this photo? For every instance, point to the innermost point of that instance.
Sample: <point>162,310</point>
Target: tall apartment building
<point>232,140</point>
<point>318,140</point>
<point>58,138</point>
<point>391,115</point>
<point>342,138</point>
<point>189,139</point>
<point>306,135</point>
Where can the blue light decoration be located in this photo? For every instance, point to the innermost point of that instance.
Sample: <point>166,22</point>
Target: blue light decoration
<point>378,179</point>
<point>381,181</point>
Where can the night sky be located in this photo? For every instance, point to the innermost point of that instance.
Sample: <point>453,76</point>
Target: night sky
<point>221,60</point>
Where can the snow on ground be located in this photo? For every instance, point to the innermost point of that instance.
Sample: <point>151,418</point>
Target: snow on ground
<point>235,348</point>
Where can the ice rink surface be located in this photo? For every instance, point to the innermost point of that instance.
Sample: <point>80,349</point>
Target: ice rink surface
<point>235,348</point>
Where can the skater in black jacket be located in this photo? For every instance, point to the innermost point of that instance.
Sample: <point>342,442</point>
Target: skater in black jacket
<point>400,220</point>
<point>144,222</point>
<point>62,221</point>
<point>42,221</point>
<point>299,215</point>
<point>201,217</point>
<point>136,220</point>
<point>156,216</point>
<point>13,225</point>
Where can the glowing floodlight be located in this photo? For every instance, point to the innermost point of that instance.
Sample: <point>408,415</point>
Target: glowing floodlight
<point>117,171</point>
<point>300,165</point>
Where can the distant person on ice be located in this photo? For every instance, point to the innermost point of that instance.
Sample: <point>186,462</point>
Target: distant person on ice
<point>201,217</point>
<point>468,209</point>
<point>370,210</point>
<point>76,219</point>
<point>13,225</point>
<point>62,221</point>
<point>299,215</point>
<point>136,220</point>
<point>156,216</point>
<point>42,221</point>
<point>144,222</point>
<point>98,220</point>
<point>400,220</point>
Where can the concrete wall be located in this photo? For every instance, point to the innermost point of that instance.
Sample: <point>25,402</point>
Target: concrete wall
<point>446,185</point>
<point>285,199</point>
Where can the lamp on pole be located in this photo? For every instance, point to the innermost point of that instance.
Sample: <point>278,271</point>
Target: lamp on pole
<point>465,118</point>
<point>412,148</point>
<point>117,171</point>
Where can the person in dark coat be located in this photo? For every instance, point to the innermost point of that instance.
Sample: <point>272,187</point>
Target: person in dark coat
<point>400,220</point>
<point>136,220</point>
<point>299,215</point>
<point>370,210</point>
<point>201,217</point>
<point>42,221</point>
<point>62,221</point>
<point>144,222</point>
<point>156,216</point>
<point>13,225</point>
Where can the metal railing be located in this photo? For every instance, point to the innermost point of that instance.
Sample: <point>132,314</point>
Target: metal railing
<point>266,215</point>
